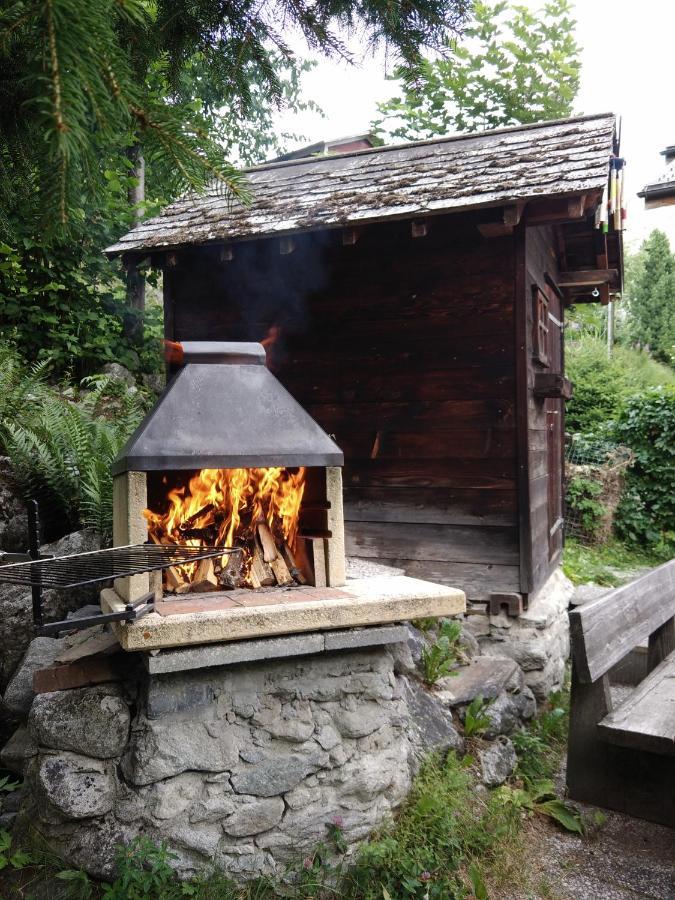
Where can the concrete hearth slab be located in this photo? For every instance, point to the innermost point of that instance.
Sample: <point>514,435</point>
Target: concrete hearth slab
<point>365,601</point>
<point>233,652</point>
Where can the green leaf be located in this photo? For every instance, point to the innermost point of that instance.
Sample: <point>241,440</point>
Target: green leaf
<point>563,814</point>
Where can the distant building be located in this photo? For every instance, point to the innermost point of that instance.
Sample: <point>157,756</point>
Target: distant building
<point>661,191</point>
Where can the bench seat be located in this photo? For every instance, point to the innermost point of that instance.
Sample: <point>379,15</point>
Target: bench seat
<point>646,718</point>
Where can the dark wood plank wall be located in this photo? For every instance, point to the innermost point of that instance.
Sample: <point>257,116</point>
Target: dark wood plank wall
<point>403,349</point>
<point>543,415</point>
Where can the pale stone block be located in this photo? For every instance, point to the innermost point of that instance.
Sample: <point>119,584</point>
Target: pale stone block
<point>335,547</point>
<point>130,498</point>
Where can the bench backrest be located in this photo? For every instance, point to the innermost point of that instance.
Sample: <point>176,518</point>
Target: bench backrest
<point>605,630</point>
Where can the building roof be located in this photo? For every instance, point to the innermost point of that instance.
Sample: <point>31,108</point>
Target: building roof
<point>663,187</point>
<point>459,172</point>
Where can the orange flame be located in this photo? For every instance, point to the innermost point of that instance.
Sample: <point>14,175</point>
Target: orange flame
<point>270,339</point>
<point>224,507</point>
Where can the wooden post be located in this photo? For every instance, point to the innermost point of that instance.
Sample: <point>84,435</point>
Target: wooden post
<point>586,754</point>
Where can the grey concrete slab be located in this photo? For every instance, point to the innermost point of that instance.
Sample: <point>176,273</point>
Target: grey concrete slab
<point>365,637</point>
<point>233,652</point>
<point>230,653</point>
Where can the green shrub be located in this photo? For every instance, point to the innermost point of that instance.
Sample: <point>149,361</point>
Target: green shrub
<point>581,499</point>
<point>602,385</point>
<point>646,513</point>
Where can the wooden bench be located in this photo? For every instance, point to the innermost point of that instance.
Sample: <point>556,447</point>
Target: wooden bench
<point>623,758</point>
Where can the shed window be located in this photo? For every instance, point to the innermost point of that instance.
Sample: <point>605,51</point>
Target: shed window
<point>540,337</point>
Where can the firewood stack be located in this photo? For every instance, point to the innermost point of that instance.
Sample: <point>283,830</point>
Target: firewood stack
<point>260,559</point>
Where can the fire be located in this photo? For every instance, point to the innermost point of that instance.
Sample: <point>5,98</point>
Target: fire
<point>227,507</point>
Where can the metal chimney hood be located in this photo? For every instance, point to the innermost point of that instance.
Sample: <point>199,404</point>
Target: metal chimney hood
<point>225,410</point>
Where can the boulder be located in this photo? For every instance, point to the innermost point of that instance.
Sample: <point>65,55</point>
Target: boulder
<point>485,677</point>
<point>41,652</point>
<point>16,623</point>
<point>503,715</point>
<point>73,786</point>
<point>18,751</point>
<point>432,727</point>
<point>497,761</point>
<point>92,721</point>
<point>117,372</point>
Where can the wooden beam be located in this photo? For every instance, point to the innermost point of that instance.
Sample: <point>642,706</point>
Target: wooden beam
<point>226,253</point>
<point>513,213</point>
<point>583,277</point>
<point>495,229</point>
<point>286,245</point>
<point>551,384</point>
<point>419,228</point>
<point>350,236</point>
<point>576,206</point>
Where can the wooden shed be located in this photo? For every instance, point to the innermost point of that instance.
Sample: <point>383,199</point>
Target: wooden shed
<point>413,298</point>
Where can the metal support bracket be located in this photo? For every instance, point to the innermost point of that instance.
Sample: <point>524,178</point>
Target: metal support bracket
<point>130,613</point>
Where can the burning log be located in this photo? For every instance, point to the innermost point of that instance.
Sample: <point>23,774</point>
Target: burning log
<point>293,567</point>
<point>231,575</point>
<point>269,548</point>
<point>205,578</point>
<point>260,570</point>
<point>281,573</point>
<point>195,517</point>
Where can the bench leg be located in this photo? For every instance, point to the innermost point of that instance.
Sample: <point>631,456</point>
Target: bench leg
<point>586,754</point>
<point>628,781</point>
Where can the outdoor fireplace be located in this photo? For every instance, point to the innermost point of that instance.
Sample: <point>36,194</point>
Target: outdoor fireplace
<point>228,459</point>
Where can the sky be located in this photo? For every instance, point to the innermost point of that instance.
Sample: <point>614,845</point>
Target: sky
<point>627,68</point>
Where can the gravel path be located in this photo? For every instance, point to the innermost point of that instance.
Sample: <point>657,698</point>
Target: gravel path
<point>622,859</point>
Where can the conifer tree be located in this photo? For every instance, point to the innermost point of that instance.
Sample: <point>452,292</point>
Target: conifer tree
<point>650,289</point>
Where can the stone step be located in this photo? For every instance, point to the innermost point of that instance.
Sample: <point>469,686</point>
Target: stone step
<point>485,676</point>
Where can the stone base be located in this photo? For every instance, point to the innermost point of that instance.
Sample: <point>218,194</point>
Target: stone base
<point>363,601</point>
<point>241,767</point>
<point>538,640</point>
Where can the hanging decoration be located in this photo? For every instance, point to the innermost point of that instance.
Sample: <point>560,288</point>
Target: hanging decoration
<point>612,208</point>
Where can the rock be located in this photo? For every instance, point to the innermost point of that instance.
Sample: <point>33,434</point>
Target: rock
<point>526,703</point>
<point>16,623</point>
<point>160,748</point>
<point>18,751</point>
<point>254,816</point>
<point>538,640</point>
<point>503,715</point>
<point>497,762</point>
<point>77,787</point>
<point>41,652</point>
<point>469,642</point>
<point>117,372</point>
<point>584,593</point>
<point>485,677</point>
<point>432,728</point>
<point>90,721</point>
<point>13,517</point>
<point>154,381</point>
<point>277,774</point>
<point>360,722</point>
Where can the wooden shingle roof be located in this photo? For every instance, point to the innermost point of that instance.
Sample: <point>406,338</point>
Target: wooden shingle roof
<point>408,180</point>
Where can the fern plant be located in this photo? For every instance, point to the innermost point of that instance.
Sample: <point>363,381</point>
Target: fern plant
<point>62,451</point>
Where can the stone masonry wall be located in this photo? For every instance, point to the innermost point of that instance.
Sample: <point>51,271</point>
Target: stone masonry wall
<point>241,768</point>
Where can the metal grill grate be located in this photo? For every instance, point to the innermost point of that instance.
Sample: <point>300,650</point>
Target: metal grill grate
<point>104,565</point>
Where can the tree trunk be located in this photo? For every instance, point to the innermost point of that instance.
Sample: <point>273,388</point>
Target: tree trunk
<point>135,295</point>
